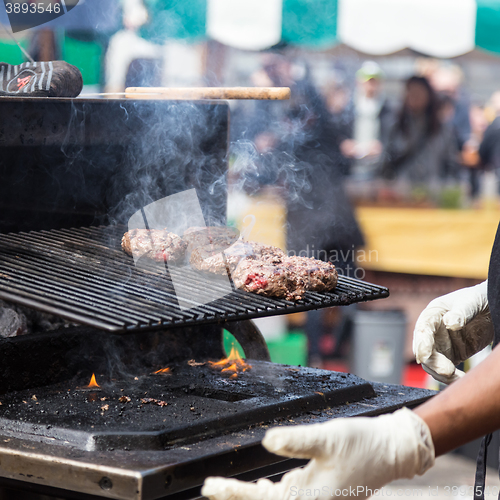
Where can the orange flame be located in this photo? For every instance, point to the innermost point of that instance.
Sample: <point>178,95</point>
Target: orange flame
<point>163,370</point>
<point>233,364</point>
<point>93,382</point>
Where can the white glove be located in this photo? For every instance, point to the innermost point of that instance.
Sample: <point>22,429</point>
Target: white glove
<point>451,329</point>
<point>349,456</point>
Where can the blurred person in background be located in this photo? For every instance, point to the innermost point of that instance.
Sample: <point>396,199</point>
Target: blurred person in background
<point>340,117</point>
<point>489,149</point>
<point>447,82</point>
<point>421,153</point>
<point>298,144</point>
<point>471,159</point>
<point>338,102</point>
<point>371,122</point>
<point>126,47</point>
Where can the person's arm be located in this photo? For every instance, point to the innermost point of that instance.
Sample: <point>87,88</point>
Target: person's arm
<point>468,409</point>
<point>363,454</point>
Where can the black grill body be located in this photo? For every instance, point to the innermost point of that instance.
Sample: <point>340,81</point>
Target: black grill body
<point>77,162</point>
<point>73,171</point>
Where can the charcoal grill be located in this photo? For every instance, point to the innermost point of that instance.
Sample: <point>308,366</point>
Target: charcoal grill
<point>73,172</point>
<point>35,456</point>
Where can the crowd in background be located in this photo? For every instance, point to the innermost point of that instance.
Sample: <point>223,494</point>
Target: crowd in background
<point>428,148</point>
<point>424,147</point>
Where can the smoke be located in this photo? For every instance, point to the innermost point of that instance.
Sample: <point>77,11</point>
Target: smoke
<point>178,212</point>
<point>251,171</point>
<point>293,147</point>
<point>171,147</point>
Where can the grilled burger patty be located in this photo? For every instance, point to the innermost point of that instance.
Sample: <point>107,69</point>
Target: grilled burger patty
<point>266,270</point>
<point>214,260</point>
<point>311,274</point>
<point>290,278</point>
<point>155,244</point>
<point>265,279</point>
<point>219,236</point>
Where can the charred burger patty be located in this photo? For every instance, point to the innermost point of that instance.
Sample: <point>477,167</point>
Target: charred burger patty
<point>220,261</point>
<point>266,270</point>
<point>254,267</point>
<point>290,278</point>
<point>159,245</point>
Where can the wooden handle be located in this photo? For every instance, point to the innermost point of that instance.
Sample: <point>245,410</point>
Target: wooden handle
<point>259,93</point>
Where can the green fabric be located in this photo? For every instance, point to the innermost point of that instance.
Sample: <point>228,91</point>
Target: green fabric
<point>289,350</point>
<point>488,25</point>
<point>86,56</point>
<point>179,19</point>
<point>229,341</point>
<point>10,53</point>
<point>312,23</point>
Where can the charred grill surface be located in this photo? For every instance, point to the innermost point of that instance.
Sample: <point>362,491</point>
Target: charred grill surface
<point>84,276</point>
<point>181,468</point>
<point>156,411</point>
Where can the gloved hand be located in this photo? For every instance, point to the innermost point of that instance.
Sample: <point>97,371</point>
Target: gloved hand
<point>451,329</point>
<point>347,455</point>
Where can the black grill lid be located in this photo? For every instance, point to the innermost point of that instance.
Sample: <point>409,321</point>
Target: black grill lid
<point>83,275</point>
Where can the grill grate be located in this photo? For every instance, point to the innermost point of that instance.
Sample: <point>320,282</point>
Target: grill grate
<point>84,276</point>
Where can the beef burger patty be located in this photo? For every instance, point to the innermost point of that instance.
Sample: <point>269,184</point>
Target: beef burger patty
<point>159,245</point>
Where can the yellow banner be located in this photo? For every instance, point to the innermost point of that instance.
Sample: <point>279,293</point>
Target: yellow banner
<point>437,242</point>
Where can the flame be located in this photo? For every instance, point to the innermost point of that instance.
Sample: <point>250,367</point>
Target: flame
<point>231,368</point>
<point>93,382</point>
<point>163,370</point>
<point>233,364</point>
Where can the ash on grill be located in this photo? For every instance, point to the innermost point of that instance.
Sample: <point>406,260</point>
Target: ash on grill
<point>157,411</point>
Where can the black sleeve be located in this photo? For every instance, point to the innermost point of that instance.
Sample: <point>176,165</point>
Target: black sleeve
<point>494,286</point>
<point>396,151</point>
<point>489,148</point>
<point>387,123</point>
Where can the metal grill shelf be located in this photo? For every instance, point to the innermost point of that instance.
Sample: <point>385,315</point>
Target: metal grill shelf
<point>84,276</point>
